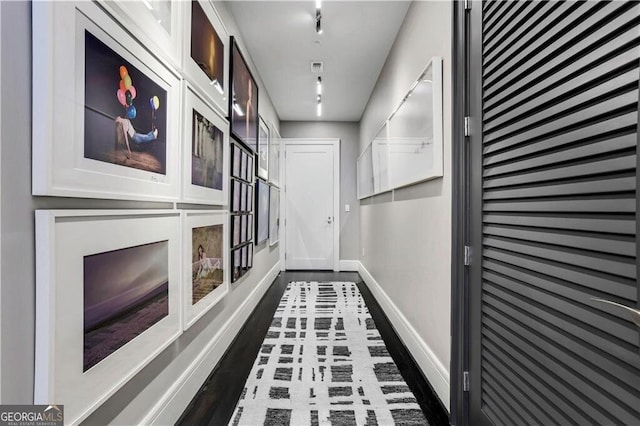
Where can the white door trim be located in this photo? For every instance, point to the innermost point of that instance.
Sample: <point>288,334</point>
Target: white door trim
<point>336,194</point>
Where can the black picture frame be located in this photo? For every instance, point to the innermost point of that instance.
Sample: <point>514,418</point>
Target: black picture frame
<point>243,100</point>
<point>235,231</point>
<point>236,261</point>
<point>236,159</point>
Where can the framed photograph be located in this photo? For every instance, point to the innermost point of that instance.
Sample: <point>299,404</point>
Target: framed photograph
<point>236,269</point>
<point>100,125</point>
<point>408,147</point>
<point>243,256</point>
<point>235,231</point>
<point>263,150</point>
<point>157,23</point>
<point>244,158</point>
<point>107,301</point>
<point>250,168</point>
<point>249,227</point>
<point>249,198</point>
<point>262,214</point>
<point>205,52</point>
<point>206,269</point>
<point>243,102</point>
<point>243,228</point>
<point>274,156</point>
<point>274,215</point>
<point>235,195</point>
<point>250,256</point>
<point>204,152</point>
<point>236,162</point>
<point>243,197</point>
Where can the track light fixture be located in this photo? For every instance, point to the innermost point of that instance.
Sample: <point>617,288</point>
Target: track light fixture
<point>318,16</point>
<point>319,95</point>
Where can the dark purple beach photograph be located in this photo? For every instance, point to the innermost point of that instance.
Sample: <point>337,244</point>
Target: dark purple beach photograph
<point>126,292</point>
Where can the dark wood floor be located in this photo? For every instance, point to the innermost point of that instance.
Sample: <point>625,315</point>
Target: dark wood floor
<point>215,401</point>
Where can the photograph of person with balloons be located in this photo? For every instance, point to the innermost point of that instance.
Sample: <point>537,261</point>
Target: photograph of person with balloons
<point>125,112</point>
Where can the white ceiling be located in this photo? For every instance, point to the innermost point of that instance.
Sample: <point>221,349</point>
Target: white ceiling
<point>282,41</point>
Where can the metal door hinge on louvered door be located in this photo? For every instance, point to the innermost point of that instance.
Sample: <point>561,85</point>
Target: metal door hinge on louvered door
<point>553,213</point>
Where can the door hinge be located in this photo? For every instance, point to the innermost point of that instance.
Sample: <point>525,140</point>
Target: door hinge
<point>465,381</point>
<point>285,256</point>
<point>467,255</point>
<point>467,4</point>
<point>467,126</point>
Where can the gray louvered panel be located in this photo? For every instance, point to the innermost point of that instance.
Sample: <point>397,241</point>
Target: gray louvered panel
<point>526,22</point>
<point>595,186</point>
<point>601,205</point>
<point>582,169</point>
<point>505,21</point>
<point>494,412</point>
<point>491,13</point>
<point>556,286</point>
<point>623,102</point>
<point>614,265</point>
<point>540,82</point>
<point>522,105</point>
<point>573,153</point>
<point>624,246</point>
<point>546,412</point>
<point>559,45</point>
<point>546,37</point>
<point>526,404</point>
<point>618,287</point>
<point>563,412</point>
<point>500,397</point>
<point>617,374</point>
<point>557,191</point>
<point>625,82</point>
<point>579,312</point>
<point>625,123</point>
<point>602,224</point>
<point>541,379</point>
<point>561,383</point>
<point>600,404</point>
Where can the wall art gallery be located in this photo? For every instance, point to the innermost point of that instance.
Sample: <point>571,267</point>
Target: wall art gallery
<point>241,209</point>
<point>164,111</point>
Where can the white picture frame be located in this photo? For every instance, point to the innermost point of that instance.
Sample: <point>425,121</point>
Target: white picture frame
<point>408,148</point>
<point>61,164</point>
<point>274,215</point>
<point>198,219</point>
<point>217,92</point>
<point>195,106</point>
<point>274,155</point>
<point>261,212</point>
<point>157,23</point>
<point>364,170</point>
<point>264,141</point>
<point>65,240</point>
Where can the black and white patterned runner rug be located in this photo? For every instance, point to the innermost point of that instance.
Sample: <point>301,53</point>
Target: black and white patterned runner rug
<point>323,362</point>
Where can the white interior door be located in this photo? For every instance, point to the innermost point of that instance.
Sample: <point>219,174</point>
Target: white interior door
<point>309,193</point>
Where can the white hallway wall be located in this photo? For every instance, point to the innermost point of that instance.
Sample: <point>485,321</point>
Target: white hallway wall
<point>135,402</point>
<point>406,235</point>
<point>347,132</point>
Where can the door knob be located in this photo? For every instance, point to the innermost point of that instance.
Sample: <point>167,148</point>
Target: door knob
<point>635,314</point>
